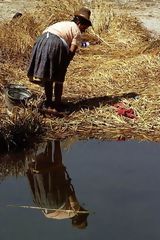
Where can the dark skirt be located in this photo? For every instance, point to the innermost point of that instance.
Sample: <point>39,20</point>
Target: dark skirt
<point>49,59</point>
<point>50,189</point>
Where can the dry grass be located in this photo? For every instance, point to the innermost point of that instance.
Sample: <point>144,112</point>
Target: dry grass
<point>126,60</point>
<point>20,130</point>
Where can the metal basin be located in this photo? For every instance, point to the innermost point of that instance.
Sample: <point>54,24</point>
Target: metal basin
<point>16,95</point>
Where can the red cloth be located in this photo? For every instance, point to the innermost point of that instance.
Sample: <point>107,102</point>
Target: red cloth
<point>126,112</point>
<point>123,111</point>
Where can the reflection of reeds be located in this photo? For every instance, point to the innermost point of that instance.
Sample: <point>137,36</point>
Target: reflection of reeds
<point>12,165</point>
<point>50,209</point>
<point>129,62</point>
<point>15,163</point>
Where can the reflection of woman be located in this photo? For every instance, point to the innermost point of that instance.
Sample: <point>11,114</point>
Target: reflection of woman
<point>52,189</point>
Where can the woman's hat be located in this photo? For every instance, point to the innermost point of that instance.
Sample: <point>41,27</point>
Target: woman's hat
<point>84,13</point>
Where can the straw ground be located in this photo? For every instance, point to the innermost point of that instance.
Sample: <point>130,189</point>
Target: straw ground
<point>121,65</point>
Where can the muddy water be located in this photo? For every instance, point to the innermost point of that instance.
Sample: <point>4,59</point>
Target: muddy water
<point>113,187</point>
<point>149,14</point>
<point>8,8</point>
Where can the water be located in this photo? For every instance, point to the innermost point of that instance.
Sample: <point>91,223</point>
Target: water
<point>118,183</point>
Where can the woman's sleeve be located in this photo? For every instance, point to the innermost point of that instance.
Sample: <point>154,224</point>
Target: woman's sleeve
<point>76,37</point>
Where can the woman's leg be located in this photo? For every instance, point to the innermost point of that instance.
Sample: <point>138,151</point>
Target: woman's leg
<point>58,90</point>
<point>48,87</point>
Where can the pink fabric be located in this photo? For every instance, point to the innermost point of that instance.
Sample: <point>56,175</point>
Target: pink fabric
<point>126,112</point>
<point>66,30</point>
<point>123,111</point>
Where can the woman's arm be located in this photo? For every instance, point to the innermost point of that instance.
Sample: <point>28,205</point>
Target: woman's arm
<point>72,51</point>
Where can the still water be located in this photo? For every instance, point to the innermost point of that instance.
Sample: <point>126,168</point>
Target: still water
<point>89,190</point>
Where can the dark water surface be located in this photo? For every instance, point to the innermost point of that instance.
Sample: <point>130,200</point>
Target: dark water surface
<point>115,186</point>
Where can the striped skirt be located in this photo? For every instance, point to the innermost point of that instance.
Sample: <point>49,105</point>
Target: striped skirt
<point>49,59</point>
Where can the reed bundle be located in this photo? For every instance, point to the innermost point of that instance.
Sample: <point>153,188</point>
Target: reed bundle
<point>121,65</point>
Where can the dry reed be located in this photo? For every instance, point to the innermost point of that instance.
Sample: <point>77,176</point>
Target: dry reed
<point>20,130</point>
<point>121,65</point>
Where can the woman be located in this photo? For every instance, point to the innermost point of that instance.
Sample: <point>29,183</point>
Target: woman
<point>53,52</point>
<point>51,186</point>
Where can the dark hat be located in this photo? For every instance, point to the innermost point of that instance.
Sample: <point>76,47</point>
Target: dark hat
<point>84,13</point>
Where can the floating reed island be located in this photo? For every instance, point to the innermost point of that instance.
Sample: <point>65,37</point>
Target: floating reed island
<point>112,86</point>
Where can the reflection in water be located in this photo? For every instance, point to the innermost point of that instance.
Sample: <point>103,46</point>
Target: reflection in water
<point>120,181</point>
<point>51,186</point>
<point>11,165</point>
